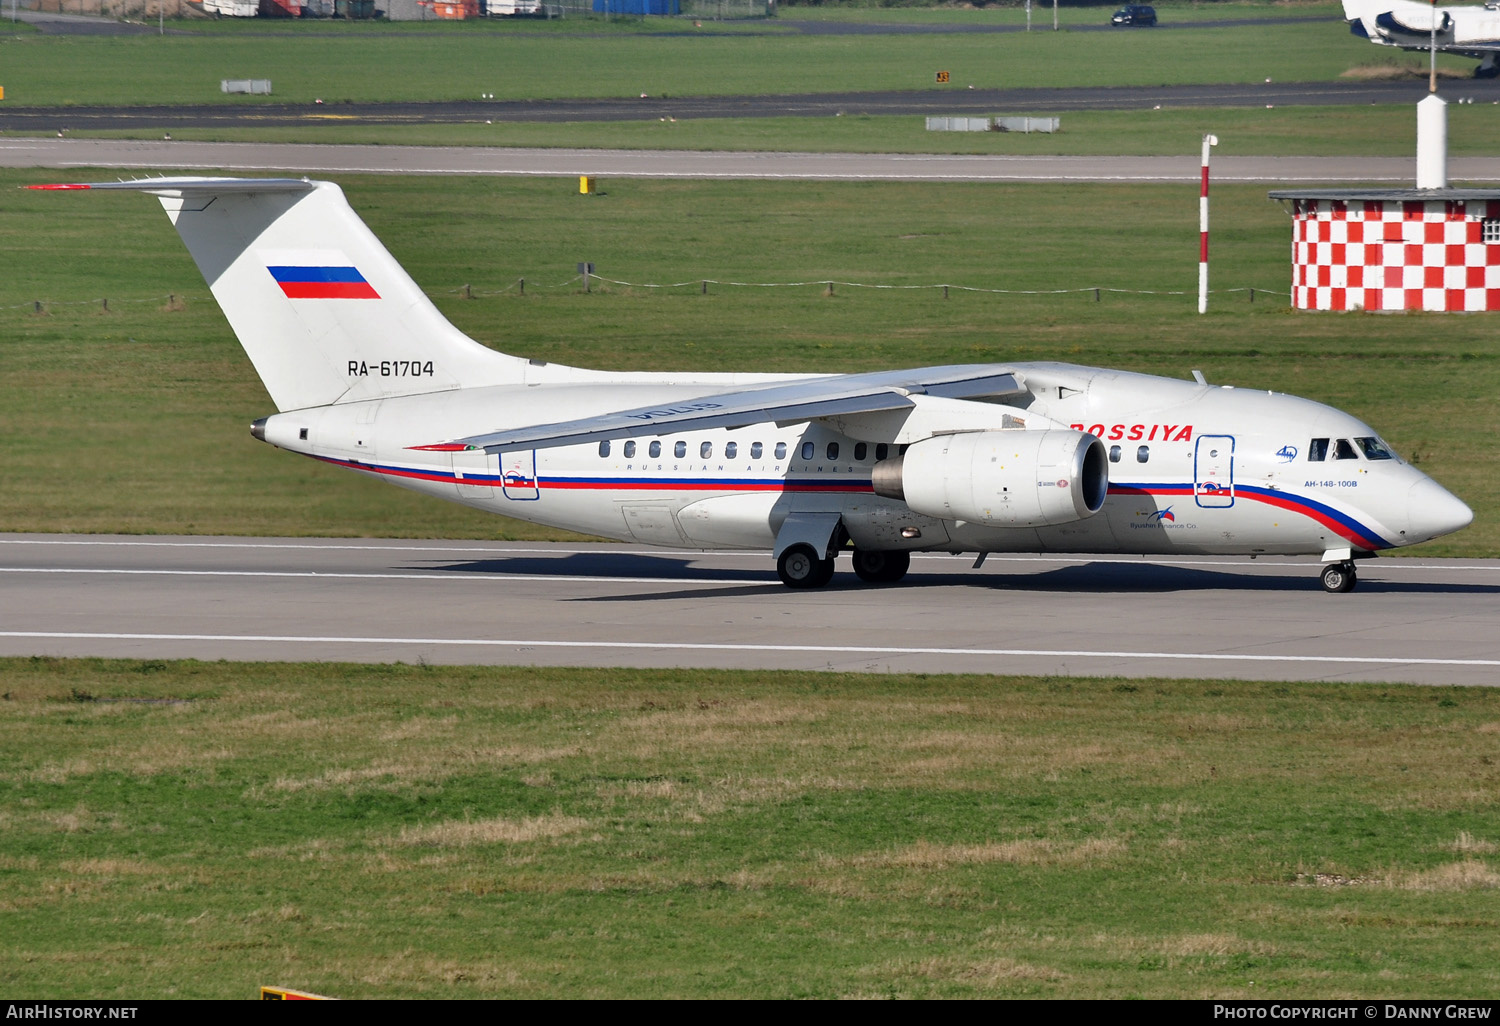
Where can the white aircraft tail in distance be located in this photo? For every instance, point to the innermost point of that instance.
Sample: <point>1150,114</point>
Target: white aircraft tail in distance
<point>1470,31</point>
<point>365,373</point>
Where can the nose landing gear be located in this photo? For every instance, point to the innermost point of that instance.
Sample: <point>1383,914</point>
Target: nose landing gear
<point>1338,578</point>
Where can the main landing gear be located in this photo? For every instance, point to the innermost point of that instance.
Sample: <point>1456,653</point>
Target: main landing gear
<point>1338,578</point>
<point>801,567</point>
<point>875,567</point>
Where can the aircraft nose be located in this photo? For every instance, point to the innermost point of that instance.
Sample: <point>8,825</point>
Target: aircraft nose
<point>1435,511</point>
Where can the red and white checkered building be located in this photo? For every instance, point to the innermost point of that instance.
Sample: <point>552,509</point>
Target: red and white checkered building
<point>1395,249</point>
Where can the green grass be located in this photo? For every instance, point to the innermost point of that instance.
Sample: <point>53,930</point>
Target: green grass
<point>135,419</point>
<point>199,829</point>
<point>378,65</point>
<point>1283,131</point>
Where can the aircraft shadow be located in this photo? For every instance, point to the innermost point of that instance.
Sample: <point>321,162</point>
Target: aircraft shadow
<point>1143,578</point>
<point>1105,577</point>
<point>666,566</point>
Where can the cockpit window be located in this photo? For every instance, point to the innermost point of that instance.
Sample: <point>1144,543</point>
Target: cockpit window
<point>1375,449</point>
<point>1342,450</point>
<point>1317,450</point>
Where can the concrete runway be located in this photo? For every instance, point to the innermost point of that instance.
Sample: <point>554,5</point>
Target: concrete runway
<point>266,158</point>
<point>1425,621</point>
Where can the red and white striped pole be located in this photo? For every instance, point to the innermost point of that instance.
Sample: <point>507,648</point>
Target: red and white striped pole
<point>1208,140</point>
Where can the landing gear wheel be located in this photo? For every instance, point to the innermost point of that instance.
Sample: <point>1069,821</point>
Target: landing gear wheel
<point>800,567</point>
<point>1492,71</point>
<point>1338,578</point>
<point>877,567</point>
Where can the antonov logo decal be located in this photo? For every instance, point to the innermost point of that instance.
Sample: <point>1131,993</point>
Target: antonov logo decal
<point>1138,432</point>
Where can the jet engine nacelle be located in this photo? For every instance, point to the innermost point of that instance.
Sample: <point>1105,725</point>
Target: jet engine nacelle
<point>1000,478</point>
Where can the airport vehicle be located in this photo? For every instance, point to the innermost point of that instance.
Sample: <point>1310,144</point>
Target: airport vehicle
<point>365,373</point>
<point>1468,31</point>
<point>1134,14</point>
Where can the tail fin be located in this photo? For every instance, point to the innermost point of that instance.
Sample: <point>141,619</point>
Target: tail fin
<point>324,312</point>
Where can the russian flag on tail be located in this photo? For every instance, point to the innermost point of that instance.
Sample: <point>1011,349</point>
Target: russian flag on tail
<point>318,274</point>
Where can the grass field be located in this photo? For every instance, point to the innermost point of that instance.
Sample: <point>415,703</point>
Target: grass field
<point>199,829</point>
<point>135,418</point>
<point>379,63</point>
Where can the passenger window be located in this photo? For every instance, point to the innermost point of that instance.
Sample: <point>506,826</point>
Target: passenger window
<point>781,450</point>
<point>755,450</point>
<point>807,450</point>
<point>881,449</point>
<point>706,450</point>
<point>1375,449</point>
<point>833,450</point>
<point>604,448</point>
<point>860,451</point>
<point>679,450</point>
<point>1317,450</point>
<point>1342,450</point>
<point>731,449</point>
<point>655,450</point>
<point>630,450</point>
<point>1114,454</point>
<point>1143,454</point>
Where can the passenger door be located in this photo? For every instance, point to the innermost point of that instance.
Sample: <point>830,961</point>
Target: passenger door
<point>1213,471</point>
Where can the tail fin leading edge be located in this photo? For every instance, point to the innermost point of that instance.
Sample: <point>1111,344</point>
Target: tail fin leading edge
<point>324,312</point>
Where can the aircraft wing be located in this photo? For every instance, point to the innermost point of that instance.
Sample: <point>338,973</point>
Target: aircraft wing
<point>783,403</point>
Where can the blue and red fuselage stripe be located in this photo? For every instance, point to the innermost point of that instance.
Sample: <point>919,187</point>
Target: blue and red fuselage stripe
<point>1334,520</point>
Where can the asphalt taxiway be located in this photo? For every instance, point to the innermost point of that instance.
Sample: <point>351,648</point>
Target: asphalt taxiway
<point>957,100</point>
<point>1423,621</point>
<point>165,156</point>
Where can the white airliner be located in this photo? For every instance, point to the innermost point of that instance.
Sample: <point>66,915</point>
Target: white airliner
<point>1468,31</point>
<point>1025,457</point>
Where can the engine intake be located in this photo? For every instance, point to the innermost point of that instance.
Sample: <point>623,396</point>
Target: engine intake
<point>1000,478</point>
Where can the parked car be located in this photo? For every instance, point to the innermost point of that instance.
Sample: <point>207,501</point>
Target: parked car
<point>1134,14</point>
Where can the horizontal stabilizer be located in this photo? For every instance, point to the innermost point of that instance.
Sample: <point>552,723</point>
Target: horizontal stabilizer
<point>785,403</point>
<point>188,185</point>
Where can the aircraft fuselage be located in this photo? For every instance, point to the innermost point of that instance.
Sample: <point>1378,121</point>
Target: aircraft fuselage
<point>1192,468</point>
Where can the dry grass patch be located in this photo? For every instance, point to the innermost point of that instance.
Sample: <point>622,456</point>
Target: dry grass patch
<point>78,820</point>
<point>1392,72</point>
<point>985,972</point>
<point>51,772</point>
<point>133,760</point>
<point>1467,875</point>
<point>313,849</point>
<point>697,802</point>
<point>417,768</point>
<point>112,867</point>
<point>1028,852</point>
<point>464,833</point>
<point>415,970</point>
<point>1198,945</point>
<point>1468,844</point>
<point>419,727</point>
